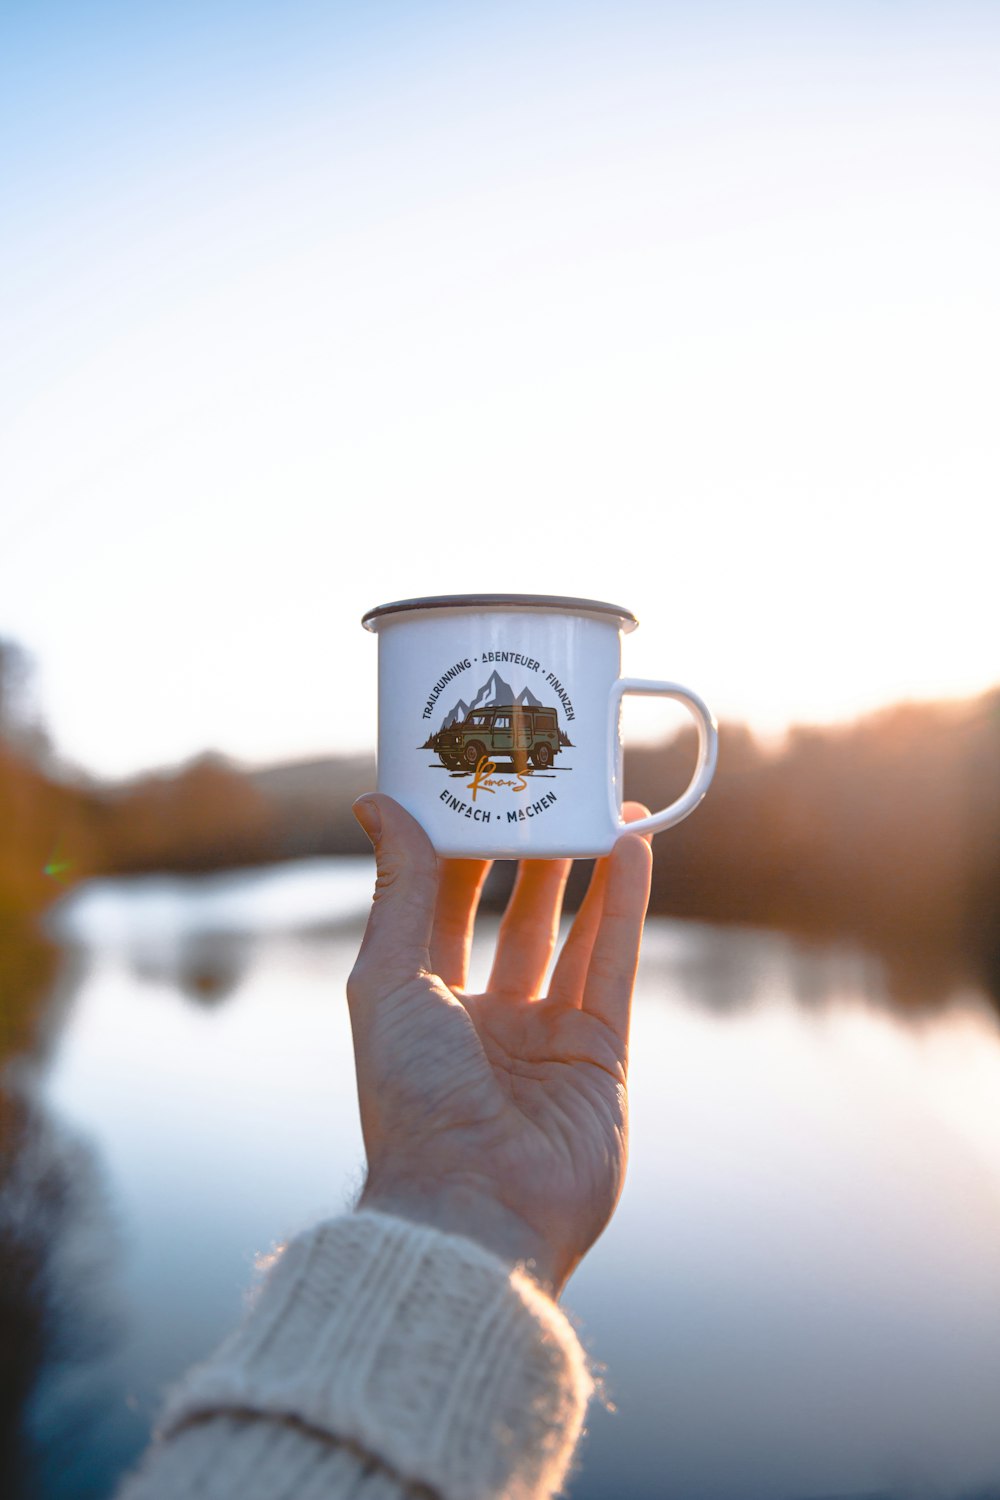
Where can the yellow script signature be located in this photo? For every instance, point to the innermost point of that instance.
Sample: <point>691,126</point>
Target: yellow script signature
<point>486,779</point>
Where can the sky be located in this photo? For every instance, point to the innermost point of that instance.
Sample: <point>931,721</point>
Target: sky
<point>689,307</point>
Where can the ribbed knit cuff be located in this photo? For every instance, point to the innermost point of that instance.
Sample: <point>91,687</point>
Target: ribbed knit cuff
<point>258,1458</point>
<point>420,1347</point>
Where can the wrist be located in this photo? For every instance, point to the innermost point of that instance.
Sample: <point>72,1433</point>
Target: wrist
<point>466,1208</point>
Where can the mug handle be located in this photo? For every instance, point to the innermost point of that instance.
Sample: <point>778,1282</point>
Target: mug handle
<point>708,751</point>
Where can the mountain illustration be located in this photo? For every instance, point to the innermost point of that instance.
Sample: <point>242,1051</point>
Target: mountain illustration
<point>495,690</point>
<point>459,712</point>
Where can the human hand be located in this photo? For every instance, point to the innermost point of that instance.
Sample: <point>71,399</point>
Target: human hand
<point>500,1116</point>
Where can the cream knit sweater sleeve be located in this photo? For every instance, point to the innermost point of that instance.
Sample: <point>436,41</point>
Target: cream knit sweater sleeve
<point>380,1359</point>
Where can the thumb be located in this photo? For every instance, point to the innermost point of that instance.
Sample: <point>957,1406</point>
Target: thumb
<point>396,944</point>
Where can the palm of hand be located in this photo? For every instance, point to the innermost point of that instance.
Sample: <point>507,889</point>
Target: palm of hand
<point>524,1101</point>
<point>501,1115</point>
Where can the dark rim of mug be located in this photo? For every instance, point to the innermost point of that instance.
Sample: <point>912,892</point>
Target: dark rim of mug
<point>502,601</point>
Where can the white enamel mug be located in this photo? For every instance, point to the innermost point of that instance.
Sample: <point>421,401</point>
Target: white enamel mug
<point>499,723</point>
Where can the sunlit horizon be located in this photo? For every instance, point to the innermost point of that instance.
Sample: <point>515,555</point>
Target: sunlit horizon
<point>696,312</point>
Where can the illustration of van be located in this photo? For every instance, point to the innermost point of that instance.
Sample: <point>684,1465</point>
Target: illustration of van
<point>513,731</point>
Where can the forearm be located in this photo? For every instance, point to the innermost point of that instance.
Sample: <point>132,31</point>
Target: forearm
<point>380,1356</point>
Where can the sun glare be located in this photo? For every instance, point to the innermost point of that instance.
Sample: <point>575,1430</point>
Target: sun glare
<point>700,326</point>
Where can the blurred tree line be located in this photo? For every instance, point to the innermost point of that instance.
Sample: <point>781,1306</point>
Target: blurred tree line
<point>41,816</point>
<point>887,828</point>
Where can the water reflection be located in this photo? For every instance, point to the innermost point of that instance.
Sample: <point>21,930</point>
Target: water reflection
<point>207,967</point>
<point>733,969</point>
<point>799,1296</point>
<point>34,985</point>
<point>811,1233</point>
<point>58,1315</point>
<point>197,933</point>
<point>59,1318</point>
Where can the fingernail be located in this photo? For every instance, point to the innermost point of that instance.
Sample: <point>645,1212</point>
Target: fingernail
<point>367,815</point>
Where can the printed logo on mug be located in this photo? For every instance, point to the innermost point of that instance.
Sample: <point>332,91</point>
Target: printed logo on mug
<point>499,723</point>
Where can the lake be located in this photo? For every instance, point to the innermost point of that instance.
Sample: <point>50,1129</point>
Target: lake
<point>798,1297</point>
